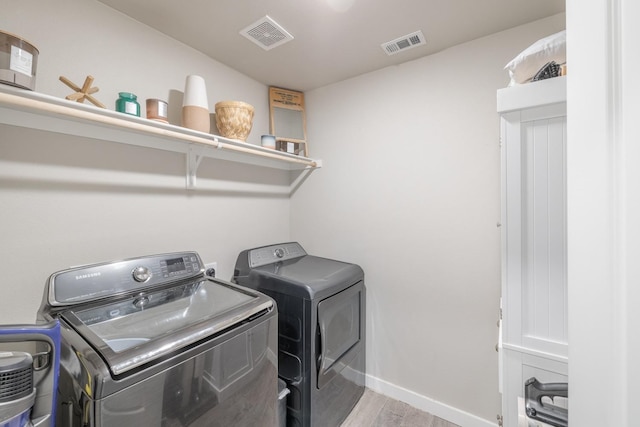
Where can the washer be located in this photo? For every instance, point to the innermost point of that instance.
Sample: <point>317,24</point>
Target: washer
<point>321,323</point>
<point>151,341</point>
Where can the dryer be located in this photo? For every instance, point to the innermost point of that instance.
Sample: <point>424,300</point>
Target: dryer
<point>321,328</point>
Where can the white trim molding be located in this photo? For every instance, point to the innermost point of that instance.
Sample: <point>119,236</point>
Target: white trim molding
<point>604,206</point>
<point>427,404</point>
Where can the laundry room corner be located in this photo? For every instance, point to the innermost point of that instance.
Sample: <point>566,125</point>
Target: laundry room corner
<point>363,257</point>
<point>411,192</point>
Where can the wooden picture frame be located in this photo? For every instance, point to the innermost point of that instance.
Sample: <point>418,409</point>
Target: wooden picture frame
<point>288,121</point>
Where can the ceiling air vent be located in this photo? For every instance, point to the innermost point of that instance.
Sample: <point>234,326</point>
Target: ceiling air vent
<point>266,33</point>
<point>404,43</point>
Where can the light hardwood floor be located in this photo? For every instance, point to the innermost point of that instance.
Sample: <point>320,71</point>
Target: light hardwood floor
<point>376,410</point>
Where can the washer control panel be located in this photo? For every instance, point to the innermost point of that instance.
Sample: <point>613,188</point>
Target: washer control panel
<point>275,253</point>
<point>98,281</point>
<point>180,266</point>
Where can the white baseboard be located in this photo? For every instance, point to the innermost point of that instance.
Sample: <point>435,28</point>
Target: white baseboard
<point>427,404</point>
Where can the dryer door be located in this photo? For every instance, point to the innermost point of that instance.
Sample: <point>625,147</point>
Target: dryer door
<point>340,331</point>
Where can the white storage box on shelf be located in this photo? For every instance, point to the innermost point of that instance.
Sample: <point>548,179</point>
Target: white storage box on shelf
<point>534,245</point>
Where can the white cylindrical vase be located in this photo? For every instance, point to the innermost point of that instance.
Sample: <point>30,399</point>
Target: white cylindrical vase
<point>195,107</point>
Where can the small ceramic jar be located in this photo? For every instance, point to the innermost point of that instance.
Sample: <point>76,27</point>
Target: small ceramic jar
<point>127,103</point>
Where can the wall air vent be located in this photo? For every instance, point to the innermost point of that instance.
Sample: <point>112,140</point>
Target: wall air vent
<point>266,33</point>
<point>404,43</point>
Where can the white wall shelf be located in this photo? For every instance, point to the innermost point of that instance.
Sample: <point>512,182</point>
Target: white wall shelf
<point>531,95</point>
<point>34,110</point>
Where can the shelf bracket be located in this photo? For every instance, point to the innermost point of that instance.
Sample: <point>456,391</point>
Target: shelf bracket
<point>302,177</point>
<point>194,157</point>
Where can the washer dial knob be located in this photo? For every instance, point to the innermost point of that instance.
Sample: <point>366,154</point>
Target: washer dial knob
<point>141,274</point>
<point>279,253</point>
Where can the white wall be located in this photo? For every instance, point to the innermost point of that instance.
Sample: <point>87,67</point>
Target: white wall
<point>68,201</point>
<point>410,191</point>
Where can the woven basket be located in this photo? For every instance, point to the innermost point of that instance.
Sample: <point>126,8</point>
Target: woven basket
<point>234,119</point>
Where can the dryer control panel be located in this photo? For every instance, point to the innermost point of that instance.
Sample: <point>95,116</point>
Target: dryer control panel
<point>274,253</point>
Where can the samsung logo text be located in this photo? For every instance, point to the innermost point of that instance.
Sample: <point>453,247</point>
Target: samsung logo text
<point>87,276</point>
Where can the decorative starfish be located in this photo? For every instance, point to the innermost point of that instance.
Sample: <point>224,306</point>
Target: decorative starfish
<point>82,93</point>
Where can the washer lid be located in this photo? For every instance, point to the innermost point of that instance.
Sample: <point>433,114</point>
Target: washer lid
<point>138,329</point>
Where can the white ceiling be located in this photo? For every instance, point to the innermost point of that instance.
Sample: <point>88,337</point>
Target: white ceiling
<point>333,39</point>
